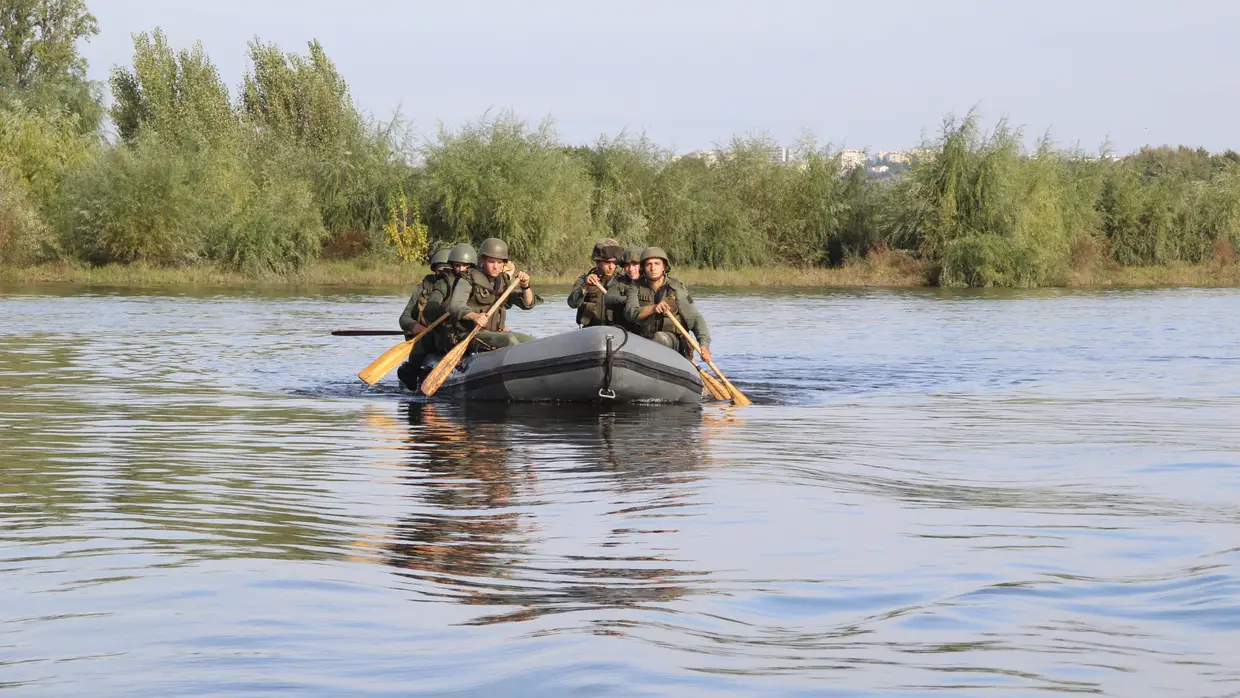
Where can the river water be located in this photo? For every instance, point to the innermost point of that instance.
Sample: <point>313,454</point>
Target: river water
<point>936,493</point>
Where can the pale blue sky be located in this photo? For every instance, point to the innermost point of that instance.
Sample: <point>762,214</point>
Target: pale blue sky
<point>868,74</point>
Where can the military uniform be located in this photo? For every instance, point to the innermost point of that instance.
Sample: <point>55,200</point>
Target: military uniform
<point>617,294</point>
<point>446,335</point>
<point>590,302</point>
<point>425,306</point>
<point>656,327</point>
<point>415,310</point>
<point>476,293</point>
<point>618,291</point>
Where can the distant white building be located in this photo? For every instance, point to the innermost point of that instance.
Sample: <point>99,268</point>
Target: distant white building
<point>880,169</point>
<point>892,157</point>
<point>709,157</point>
<point>851,160</point>
<point>777,154</point>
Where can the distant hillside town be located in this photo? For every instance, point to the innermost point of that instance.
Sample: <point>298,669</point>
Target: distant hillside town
<point>880,164</point>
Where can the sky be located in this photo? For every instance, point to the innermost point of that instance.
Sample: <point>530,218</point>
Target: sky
<point>691,74</point>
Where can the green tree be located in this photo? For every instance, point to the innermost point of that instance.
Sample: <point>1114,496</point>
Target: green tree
<point>178,95</point>
<point>302,98</point>
<point>298,109</point>
<point>39,59</point>
<point>500,178</point>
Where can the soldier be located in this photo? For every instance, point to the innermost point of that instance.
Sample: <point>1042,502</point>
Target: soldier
<point>415,315</point>
<point>480,287</point>
<point>657,293</point>
<point>424,307</point>
<point>586,297</point>
<point>462,257</point>
<point>626,276</point>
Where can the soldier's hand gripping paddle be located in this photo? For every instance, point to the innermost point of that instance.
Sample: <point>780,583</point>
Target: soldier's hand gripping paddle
<point>448,363</point>
<point>393,357</point>
<point>738,398</point>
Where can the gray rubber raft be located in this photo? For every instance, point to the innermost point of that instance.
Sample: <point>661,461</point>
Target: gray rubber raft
<point>597,364</point>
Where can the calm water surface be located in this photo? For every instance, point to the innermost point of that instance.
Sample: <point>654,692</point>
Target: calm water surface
<point>937,494</point>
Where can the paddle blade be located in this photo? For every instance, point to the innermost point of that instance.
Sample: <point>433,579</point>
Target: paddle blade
<point>443,369</point>
<point>712,386</point>
<point>738,398</point>
<point>384,364</point>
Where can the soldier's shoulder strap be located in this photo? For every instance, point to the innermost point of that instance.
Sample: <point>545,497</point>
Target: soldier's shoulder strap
<point>682,291</point>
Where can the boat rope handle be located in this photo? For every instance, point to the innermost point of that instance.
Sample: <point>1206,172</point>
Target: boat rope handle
<point>606,392</point>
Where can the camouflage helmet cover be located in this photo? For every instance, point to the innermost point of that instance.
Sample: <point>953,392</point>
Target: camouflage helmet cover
<point>606,249</point>
<point>633,255</point>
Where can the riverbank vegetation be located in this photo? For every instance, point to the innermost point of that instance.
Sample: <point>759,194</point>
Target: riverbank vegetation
<point>171,176</point>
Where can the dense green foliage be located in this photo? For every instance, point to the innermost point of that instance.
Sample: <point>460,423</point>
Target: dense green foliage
<point>288,170</point>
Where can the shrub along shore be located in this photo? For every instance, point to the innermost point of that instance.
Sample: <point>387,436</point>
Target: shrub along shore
<point>180,180</point>
<point>872,272</point>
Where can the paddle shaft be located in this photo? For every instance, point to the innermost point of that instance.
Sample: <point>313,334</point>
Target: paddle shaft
<point>446,365</point>
<point>738,398</point>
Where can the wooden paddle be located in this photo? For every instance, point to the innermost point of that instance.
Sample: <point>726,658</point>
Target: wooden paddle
<point>366,333</point>
<point>738,398</point>
<point>716,390</point>
<point>393,357</point>
<point>448,363</point>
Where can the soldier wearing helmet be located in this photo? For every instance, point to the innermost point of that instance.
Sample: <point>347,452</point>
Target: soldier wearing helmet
<point>656,295</point>
<point>479,288</point>
<point>462,257</point>
<point>586,297</point>
<point>627,275</point>
<point>424,307</point>
<point>416,314</point>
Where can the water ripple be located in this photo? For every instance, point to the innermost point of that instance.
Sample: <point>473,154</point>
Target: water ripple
<point>937,493</point>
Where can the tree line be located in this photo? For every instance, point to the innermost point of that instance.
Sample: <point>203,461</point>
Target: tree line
<point>175,170</point>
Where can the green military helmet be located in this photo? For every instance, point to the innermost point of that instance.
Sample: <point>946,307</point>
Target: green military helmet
<point>494,248</point>
<point>463,253</point>
<point>656,253</point>
<point>440,258</point>
<point>605,249</point>
<point>633,255</point>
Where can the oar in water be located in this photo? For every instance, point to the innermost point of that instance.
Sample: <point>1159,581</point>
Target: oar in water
<point>448,363</point>
<point>366,333</point>
<point>393,357</point>
<point>738,398</point>
<point>717,391</point>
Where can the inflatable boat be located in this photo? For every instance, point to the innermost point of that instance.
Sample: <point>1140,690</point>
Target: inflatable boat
<point>596,364</point>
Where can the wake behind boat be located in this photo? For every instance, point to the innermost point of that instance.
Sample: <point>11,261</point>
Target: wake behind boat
<point>603,363</point>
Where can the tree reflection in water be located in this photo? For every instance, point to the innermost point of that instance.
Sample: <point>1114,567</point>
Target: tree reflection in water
<point>497,487</point>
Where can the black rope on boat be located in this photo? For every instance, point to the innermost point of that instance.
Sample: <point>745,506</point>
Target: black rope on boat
<point>606,391</point>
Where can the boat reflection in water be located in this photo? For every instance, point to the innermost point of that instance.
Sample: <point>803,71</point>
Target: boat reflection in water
<point>506,497</point>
